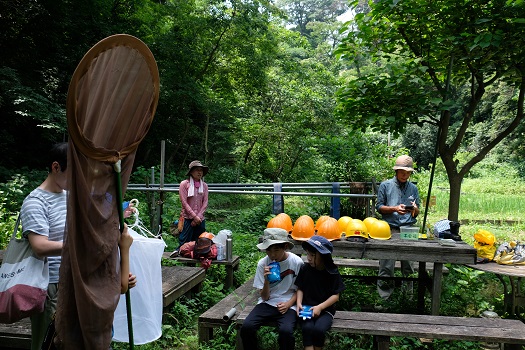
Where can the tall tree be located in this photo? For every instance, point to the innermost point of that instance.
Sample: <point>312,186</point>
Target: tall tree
<point>302,13</point>
<point>415,46</point>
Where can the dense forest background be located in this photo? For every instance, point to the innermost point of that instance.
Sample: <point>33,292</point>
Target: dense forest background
<point>266,91</point>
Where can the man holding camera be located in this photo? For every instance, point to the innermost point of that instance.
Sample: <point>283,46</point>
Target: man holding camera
<point>398,203</point>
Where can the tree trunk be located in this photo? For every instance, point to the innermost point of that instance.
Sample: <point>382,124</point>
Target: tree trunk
<point>455,181</point>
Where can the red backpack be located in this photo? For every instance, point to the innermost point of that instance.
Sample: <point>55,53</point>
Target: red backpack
<point>203,249</point>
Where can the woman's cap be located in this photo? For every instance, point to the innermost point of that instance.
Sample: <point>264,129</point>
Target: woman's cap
<point>195,164</point>
<point>321,244</point>
<point>273,236</point>
<point>404,163</point>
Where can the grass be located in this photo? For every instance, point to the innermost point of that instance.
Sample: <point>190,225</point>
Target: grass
<point>500,214</point>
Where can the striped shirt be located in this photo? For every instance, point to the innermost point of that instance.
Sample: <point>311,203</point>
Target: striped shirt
<point>44,213</point>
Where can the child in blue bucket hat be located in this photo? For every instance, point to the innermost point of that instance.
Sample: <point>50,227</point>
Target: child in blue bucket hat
<point>319,285</point>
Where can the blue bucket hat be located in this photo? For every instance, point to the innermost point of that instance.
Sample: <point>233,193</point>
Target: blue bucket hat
<point>325,248</point>
<point>321,244</point>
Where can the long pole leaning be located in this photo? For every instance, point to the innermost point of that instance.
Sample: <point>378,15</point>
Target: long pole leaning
<point>117,168</point>
<point>436,149</point>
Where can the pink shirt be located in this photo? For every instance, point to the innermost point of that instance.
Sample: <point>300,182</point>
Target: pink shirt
<point>196,205</point>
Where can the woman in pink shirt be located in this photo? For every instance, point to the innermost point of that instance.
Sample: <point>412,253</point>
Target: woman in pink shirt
<point>193,193</point>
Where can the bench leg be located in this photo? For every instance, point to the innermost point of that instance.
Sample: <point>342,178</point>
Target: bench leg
<point>238,340</point>
<point>422,276</point>
<point>197,289</point>
<point>436,288</point>
<point>229,276</point>
<point>383,342</point>
<point>205,334</point>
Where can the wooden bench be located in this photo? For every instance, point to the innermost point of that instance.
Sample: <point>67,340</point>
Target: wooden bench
<point>176,281</point>
<point>229,265</point>
<point>382,326</point>
<point>374,264</point>
<point>179,280</point>
<point>245,295</point>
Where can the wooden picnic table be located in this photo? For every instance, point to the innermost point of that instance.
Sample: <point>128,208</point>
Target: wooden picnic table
<point>514,297</point>
<point>422,251</point>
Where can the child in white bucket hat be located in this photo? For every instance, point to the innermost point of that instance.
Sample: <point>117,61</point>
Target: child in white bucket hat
<point>277,297</point>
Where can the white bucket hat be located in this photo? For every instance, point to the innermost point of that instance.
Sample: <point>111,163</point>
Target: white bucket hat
<point>273,236</point>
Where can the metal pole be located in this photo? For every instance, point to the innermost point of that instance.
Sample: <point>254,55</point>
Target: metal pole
<point>161,184</point>
<point>436,149</point>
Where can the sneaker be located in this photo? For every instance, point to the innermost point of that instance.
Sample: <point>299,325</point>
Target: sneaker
<point>382,305</point>
<point>174,254</point>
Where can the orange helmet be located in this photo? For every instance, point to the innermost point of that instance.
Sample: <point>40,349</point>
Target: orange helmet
<point>282,220</point>
<point>356,228</point>
<point>207,235</point>
<point>303,228</point>
<point>380,229</point>
<point>320,221</point>
<point>329,229</point>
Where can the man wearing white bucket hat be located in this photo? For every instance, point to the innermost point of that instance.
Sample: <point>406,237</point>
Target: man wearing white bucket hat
<point>398,203</point>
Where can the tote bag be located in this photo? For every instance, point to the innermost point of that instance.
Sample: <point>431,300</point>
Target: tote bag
<point>146,297</point>
<point>23,281</point>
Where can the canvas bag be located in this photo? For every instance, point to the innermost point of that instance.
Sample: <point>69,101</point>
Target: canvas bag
<point>146,297</point>
<point>24,279</point>
<point>177,226</point>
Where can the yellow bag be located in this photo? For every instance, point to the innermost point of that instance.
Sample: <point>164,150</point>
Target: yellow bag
<point>485,251</point>
<point>485,237</point>
<point>484,244</point>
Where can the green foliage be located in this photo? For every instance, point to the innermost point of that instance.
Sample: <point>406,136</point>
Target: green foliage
<point>439,63</point>
<point>463,293</point>
<point>12,194</point>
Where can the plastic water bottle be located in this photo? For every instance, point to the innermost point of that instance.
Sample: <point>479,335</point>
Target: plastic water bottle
<point>306,312</point>
<point>229,247</point>
<point>220,252</point>
<point>275,272</point>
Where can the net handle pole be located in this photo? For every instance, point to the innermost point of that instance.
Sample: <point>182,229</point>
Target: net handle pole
<point>117,167</point>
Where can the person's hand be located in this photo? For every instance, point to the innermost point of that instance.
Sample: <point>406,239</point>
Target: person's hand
<point>266,272</point>
<point>299,307</point>
<point>316,311</point>
<point>283,307</point>
<point>132,281</point>
<point>401,210</point>
<point>125,239</point>
<point>197,220</point>
<point>129,210</point>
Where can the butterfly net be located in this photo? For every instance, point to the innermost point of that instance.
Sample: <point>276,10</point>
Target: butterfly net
<point>111,102</point>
